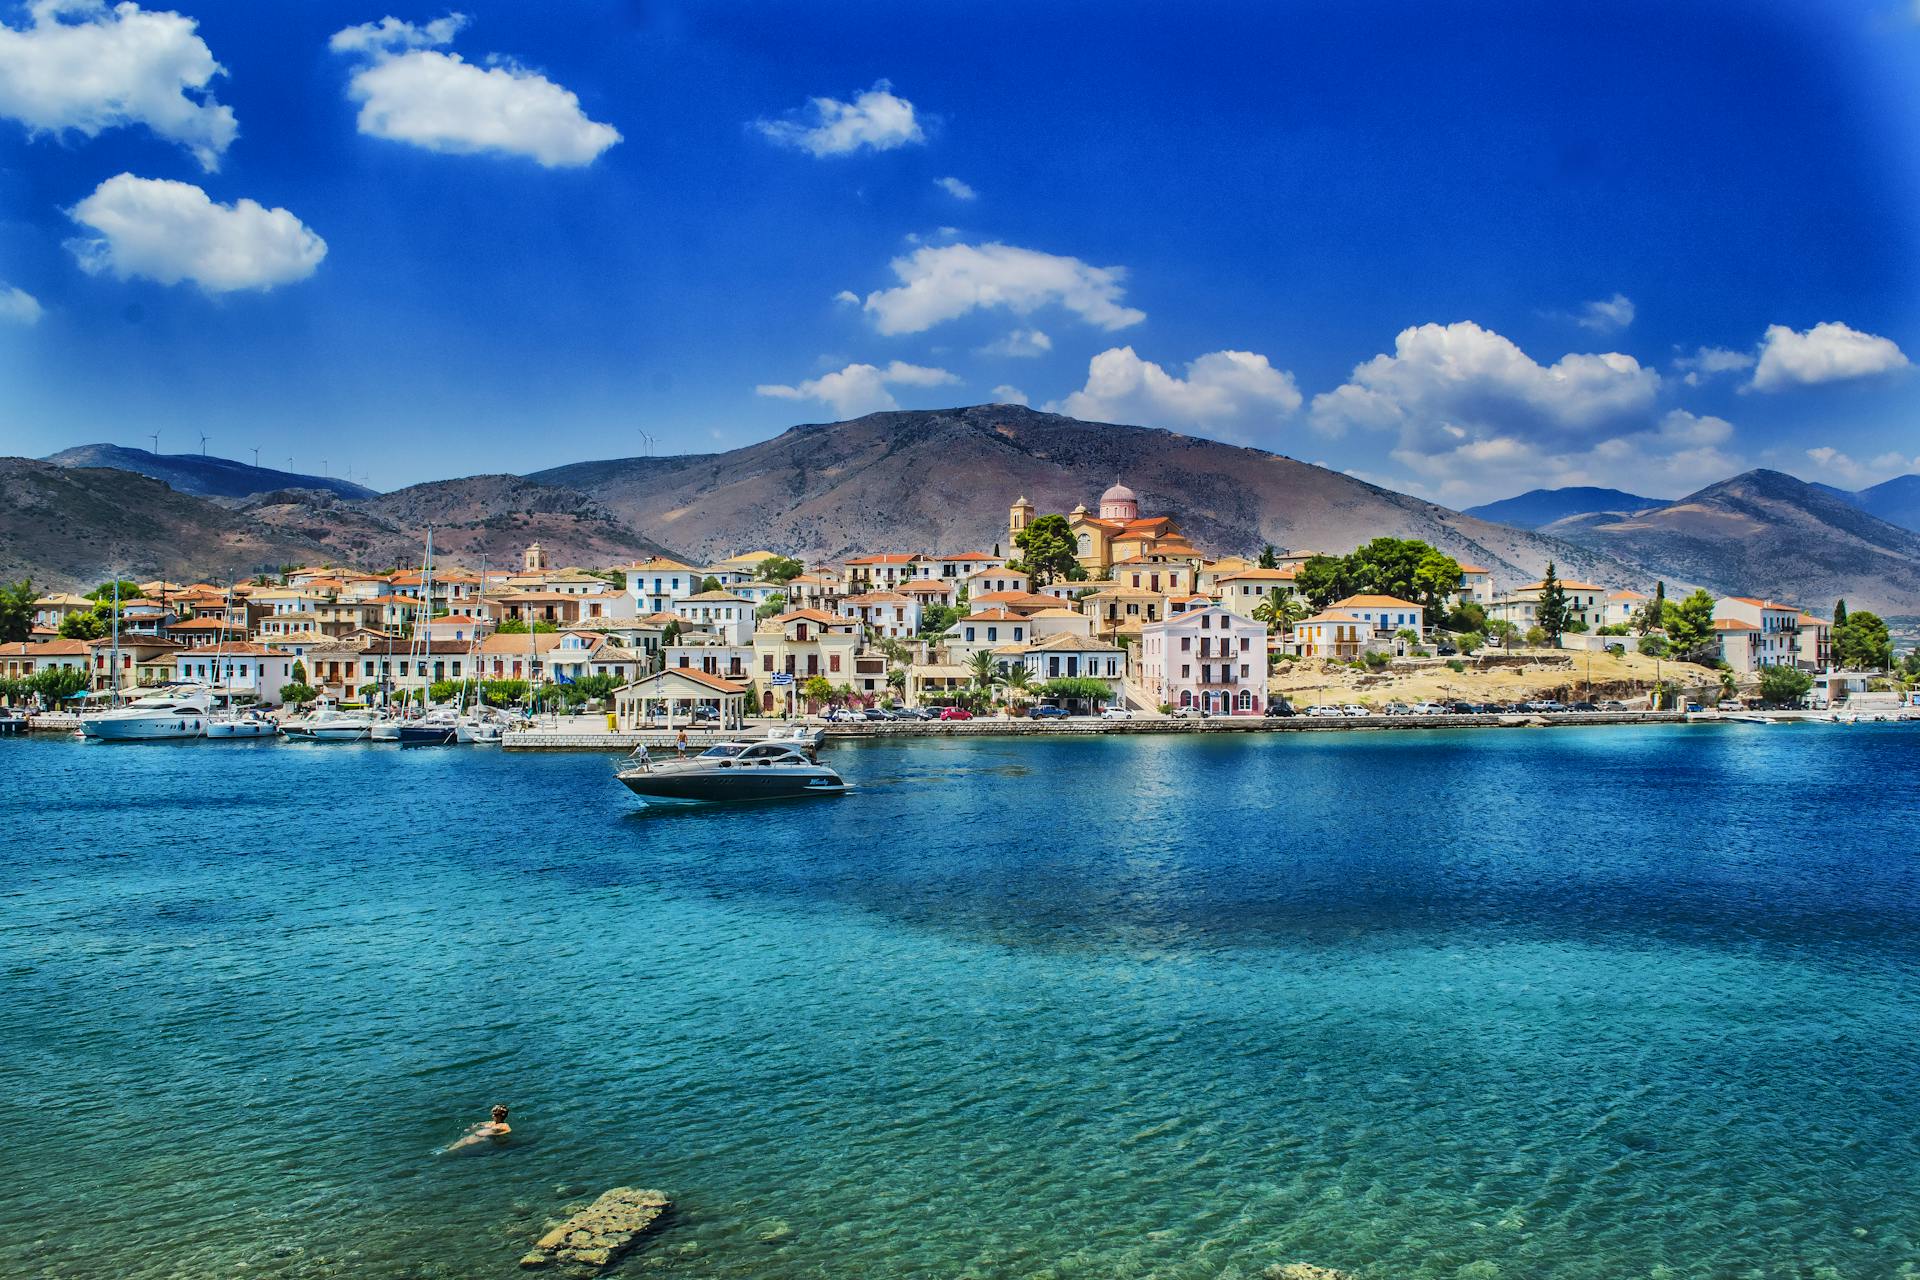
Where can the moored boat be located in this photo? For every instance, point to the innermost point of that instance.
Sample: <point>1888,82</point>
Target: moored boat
<point>250,723</point>
<point>329,724</point>
<point>167,713</point>
<point>731,771</point>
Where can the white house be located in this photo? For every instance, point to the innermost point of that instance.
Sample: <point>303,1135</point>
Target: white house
<point>1210,658</point>
<point>1756,633</point>
<point>1385,613</point>
<point>957,568</point>
<point>714,656</point>
<point>1620,608</point>
<point>1058,657</point>
<point>1246,590</point>
<point>995,580</point>
<point>240,669</point>
<point>888,613</point>
<point>657,584</point>
<point>987,629</point>
<point>728,616</point>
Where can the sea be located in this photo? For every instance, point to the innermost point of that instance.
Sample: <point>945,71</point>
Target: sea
<point>1581,1003</point>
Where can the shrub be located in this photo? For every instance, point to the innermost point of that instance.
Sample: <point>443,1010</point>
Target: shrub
<point>296,692</point>
<point>1653,646</point>
<point>1454,664</point>
<point>1374,661</point>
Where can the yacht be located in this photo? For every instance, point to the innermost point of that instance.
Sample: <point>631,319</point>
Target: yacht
<point>385,728</point>
<point>731,771</point>
<point>251,723</point>
<point>435,729</point>
<point>329,724</point>
<point>480,729</point>
<point>180,712</point>
<point>12,721</point>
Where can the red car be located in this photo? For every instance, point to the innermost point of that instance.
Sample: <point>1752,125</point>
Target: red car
<point>955,713</point>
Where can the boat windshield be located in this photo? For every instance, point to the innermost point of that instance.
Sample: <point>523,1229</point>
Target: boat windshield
<point>725,751</point>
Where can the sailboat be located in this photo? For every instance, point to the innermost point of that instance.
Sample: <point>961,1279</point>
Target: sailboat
<point>230,722</point>
<point>432,728</point>
<point>477,726</point>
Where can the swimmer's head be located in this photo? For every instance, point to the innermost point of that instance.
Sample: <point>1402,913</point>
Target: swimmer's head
<point>499,1113</point>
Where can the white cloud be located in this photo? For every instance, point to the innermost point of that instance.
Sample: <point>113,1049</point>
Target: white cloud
<point>1679,453</point>
<point>847,296</point>
<point>409,91</point>
<point>1021,344</point>
<point>1225,391</point>
<point>1608,315</point>
<point>1459,381</point>
<point>956,188</point>
<point>876,119</point>
<point>1706,362</point>
<point>1829,352</point>
<point>1004,394</point>
<point>172,232</point>
<point>1838,465</point>
<point>1893,462</point>
<point>939,283</point>
<point>17,306</point>
<point>859,388</point>
<point>79,65</point>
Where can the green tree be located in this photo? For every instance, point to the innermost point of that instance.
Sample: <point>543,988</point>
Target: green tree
<point>16,611</point>
<point>1280,610</point>
<point>938,619</point>
<point>57,683</point>
<point>1861,643</point>
<point>817,690</point>
<point>1536,637</point>
<point>1467,616</point>
<point>1268,560</point>
<point>1653,614</point>
<point>1018,682</point>
<point>1323,579</point>
<point>1048,552</point>
<point>511,627</point>
<point>1077,689</point>
<point>1470,641</point>
<point>773,606</point>
<point>781,569</point>
<point>299,672</point>
<point>1784,685</point>
<point>296,692</point>
<point>86,624</point>
<point>1653,646</point>
<point>1391,566</point>
<point>984,672</point>
<point>1689,627</point>
<point>1503,631</point>
<point>1551,613</point>
<point>1839,612</point>
<point>129,590</point>
<point>709,583</point>
<point>1435,579</point>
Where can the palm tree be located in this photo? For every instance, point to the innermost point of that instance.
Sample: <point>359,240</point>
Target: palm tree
<point>985,672</point>
<point>1280,610</point>
<point>1018,681</point>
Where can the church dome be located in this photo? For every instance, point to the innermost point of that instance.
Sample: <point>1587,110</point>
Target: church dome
<point>1119,503</point>
<point>1119,493</point>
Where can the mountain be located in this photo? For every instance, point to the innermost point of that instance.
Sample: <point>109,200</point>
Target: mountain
<point>479,517</point>
<point>68,527</point>
<point>1764,533</point>
<point>1537,508</point>
<point>1897,501</point>
<point>943,480</point>
<point>202,475</point>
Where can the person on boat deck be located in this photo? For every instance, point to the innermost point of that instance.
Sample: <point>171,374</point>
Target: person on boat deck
<point>496,1128</point>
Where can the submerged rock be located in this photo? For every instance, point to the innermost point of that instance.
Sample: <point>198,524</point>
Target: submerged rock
<point>1302,1271</point>
<point>599,1234</point>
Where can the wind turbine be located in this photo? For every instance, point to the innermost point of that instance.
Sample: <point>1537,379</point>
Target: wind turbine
<point>155,437</point>
<point>256,455</point>
<point>203,444</point>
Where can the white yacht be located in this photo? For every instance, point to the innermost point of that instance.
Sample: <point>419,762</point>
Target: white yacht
<point>180,712</point>
<point>330,724</point>
<point>731,771</point>
<point>251,723</point>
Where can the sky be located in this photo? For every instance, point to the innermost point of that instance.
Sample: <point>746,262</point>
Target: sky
<point>1461,250</point>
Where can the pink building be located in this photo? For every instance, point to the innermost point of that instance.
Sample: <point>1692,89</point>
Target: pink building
<point>1207,658</point>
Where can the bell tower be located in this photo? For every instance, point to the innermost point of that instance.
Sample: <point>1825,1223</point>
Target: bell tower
<point>535,559</point>
<point>1019,516</point>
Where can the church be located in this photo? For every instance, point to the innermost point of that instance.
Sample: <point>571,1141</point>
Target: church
<point>1117,535</point>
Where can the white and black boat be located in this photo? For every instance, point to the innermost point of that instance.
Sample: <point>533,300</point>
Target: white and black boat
<point>12,721</point>
<point>328,724</point>
<point>435,729</point>
<point>180,712</point>
<point>732,771</point>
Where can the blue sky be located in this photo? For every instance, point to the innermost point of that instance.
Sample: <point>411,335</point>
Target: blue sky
<point>1457,249</point>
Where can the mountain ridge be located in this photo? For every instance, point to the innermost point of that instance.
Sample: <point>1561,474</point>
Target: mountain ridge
<point>1537,508</point>
<point>202,475</point>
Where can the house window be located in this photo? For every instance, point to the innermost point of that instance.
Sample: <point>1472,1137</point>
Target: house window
<point>1186,644</point>
<point>833,662</point>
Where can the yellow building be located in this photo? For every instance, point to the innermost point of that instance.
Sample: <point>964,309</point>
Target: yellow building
<point>1118,533</point>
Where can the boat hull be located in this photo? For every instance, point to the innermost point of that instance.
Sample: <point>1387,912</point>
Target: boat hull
<point>438,735</point>
<point>145,729</point>
<point>240,729</point>
<point>717,787</point>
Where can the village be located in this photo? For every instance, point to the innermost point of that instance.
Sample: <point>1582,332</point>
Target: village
<point>1096,613</point>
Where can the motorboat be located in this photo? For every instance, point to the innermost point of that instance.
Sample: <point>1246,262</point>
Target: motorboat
<point>805,736</point>
<point>251,723</point>
<point>731,771</point>
<point>435,729</point>
<point>384,729</point>
<point>180,712</point>
<point>329,724</point>
<point>12,721</point>
<point>479,730</point>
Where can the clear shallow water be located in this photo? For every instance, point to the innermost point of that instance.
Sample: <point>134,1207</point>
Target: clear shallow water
<point>1580,1003</point>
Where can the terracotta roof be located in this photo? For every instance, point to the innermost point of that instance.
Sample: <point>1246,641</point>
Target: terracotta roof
<point>995,615</point>
<point>1732,624</point>
<point>45,649</point>
<point>706,597</point>
<point>876,597</point>
<point>1763,604</point>
<point>239,649</point>
<point>1257,575</point>
<point>1375,602</point>
<point>698,676</point>
<point>882,559</point>
<point>1472,568</point>
<point>965,555</point>
<point>1564,586</point>
<point>1021,599</point>
<point>1331,616</point>
<point>807,615</point>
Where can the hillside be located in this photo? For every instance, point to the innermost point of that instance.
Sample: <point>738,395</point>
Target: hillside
<point>1765,533</point>
<point>198,474</point>
<point>68,527</point>
<point>1897,501</point>
<point>479,517</point>
<point>943,479</point>
<point>1538,508</point>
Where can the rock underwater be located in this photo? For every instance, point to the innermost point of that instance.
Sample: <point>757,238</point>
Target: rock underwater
<point>601,1233</point>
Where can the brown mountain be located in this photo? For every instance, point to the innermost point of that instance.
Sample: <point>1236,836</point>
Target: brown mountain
<point>67,526</point>
<point>77,526</point>
<point>943,479</point>
<point>1764,533</point>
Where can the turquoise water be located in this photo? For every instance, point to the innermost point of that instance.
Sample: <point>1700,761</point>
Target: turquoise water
<point>1592,1003</point>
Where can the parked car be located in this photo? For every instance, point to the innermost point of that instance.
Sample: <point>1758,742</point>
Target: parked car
<point>1583,706</point>
<point>1397,709</point>
<point>1446,651</point>
<point>876,715</point>
<point>1323,711</point>
<point>1730,704</point>
<point>1613,705</point>
<point>1116,713</point>
<point>1278,708</point>
<point>1694,706</point>
<point>1354,709</point>
<point>1549,704</point>
<point>1464,708</point>
<point>845,715</point>
<point>1047,712</point>
<point>955,713</point>
<point>1187,713</point>
<point>1429,709</point>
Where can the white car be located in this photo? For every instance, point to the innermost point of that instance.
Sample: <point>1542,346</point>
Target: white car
<point>1117,713</point>
<point>1185,713</point>
<point>1354,709</point>
<point>1324,711</point>
<point>1429,709</point>
<point>843,716</point>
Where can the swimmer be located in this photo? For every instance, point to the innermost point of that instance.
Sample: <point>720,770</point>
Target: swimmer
<point>491,1131</point>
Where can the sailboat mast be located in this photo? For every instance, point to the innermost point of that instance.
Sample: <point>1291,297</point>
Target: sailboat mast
<point>426,595</point>
<point>115,699</point>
